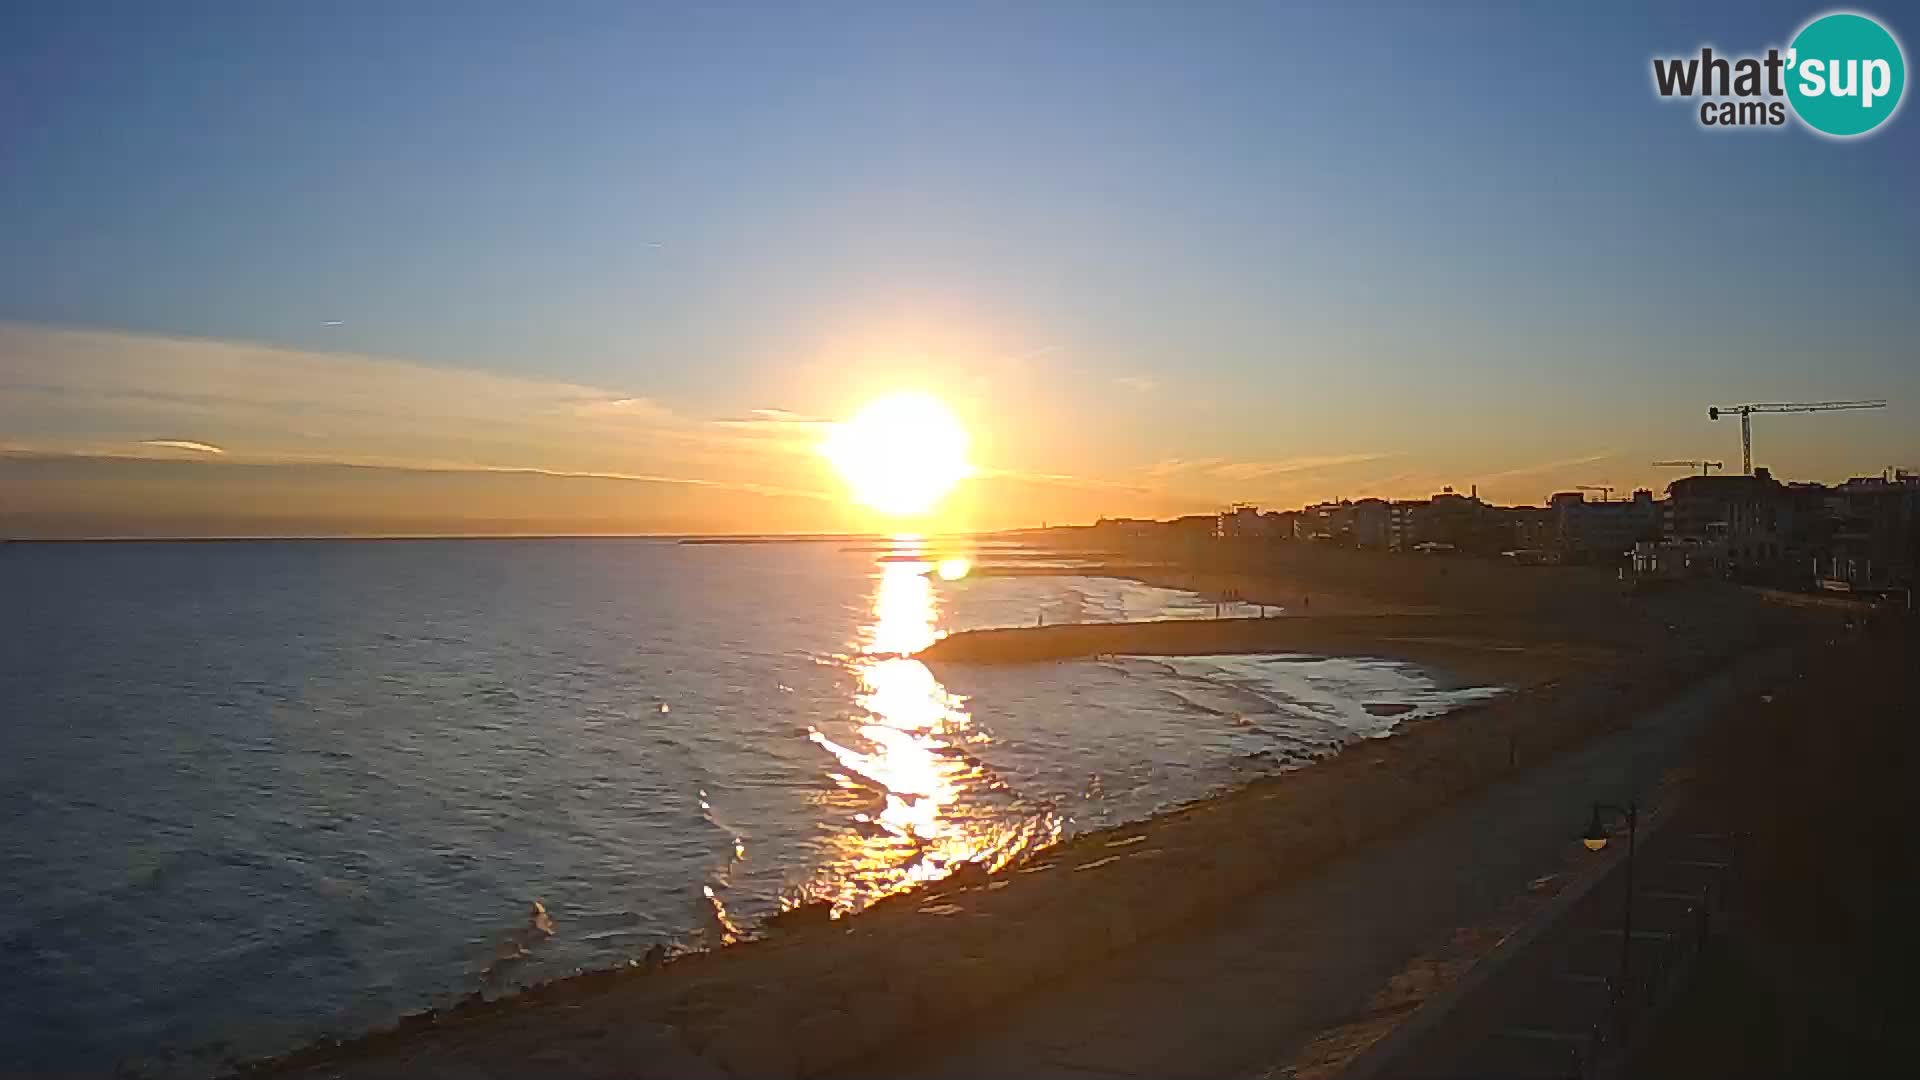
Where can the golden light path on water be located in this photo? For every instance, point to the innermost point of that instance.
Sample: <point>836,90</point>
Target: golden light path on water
<point>913,802</point>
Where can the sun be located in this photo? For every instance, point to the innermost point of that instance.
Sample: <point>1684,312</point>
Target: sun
<point>900,454</point>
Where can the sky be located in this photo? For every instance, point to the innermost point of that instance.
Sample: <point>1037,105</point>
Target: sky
<point>314,268</point>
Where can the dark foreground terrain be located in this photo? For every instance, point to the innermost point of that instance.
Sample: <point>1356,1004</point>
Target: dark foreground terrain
<point>1816,976</point>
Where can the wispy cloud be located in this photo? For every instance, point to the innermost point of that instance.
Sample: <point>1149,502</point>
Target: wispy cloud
<point>1553,466</point>
<point>1258,470</point>
<point>1139,384</point>
<point>83,391</point>
<point>19,452</point>
<point>590,474</point>
<point>626,406</point>
<point>183,444</point>
<point>1245,471</point>
<point>1034,354</point>
<point>1088,483</point>
<point>1166,467</point>
<point>768,419</point>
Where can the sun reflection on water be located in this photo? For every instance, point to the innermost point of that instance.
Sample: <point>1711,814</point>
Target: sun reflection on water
<point>912,802</point>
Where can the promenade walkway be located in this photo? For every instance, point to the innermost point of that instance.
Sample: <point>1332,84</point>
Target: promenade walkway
<point>1244,995</point>
<point>1560,1003</point>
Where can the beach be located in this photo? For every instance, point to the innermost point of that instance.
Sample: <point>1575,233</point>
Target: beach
<point>815,996</point>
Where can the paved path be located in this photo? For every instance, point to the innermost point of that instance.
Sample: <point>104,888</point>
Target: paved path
<point>1536,1014</point>
<point>1239,995</point>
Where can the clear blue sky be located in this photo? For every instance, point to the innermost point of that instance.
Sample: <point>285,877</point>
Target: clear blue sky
<point>1481,209</point>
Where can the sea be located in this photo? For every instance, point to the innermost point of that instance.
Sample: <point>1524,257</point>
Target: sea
<point>254,793</point>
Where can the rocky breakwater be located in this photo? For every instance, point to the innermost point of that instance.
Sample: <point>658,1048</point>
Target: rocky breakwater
<point>1473,647</point>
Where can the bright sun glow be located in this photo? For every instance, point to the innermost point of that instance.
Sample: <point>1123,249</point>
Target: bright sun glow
<point>900,454</point>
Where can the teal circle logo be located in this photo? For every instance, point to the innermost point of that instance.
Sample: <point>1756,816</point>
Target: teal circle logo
<point>1845,73</point>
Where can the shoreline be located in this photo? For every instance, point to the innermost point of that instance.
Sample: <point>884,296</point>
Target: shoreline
<point>921,958</point>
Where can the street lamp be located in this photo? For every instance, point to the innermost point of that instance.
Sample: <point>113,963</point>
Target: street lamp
<point>1596,839</point>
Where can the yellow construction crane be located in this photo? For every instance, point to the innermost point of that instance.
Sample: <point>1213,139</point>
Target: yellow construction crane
<point>1705,467</point>
<point>1745,412</point>
<point>1605,490</point>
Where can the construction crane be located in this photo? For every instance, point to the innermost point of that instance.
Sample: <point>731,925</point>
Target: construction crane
<point>1705,467</point>
<point>1746,412</point>
<point>1605,490</point>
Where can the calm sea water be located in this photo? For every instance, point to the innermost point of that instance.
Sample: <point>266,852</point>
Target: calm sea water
<point>257,792</point>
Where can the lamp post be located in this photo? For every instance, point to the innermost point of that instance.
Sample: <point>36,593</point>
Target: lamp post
<point>1595,840</point>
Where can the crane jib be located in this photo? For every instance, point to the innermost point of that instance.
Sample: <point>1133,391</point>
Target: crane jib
<point>1745,412</point>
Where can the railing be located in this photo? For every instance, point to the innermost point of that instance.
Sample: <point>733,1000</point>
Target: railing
<point>1633,1001</point>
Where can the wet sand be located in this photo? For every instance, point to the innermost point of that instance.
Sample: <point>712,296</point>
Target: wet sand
<point>816,996</point>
